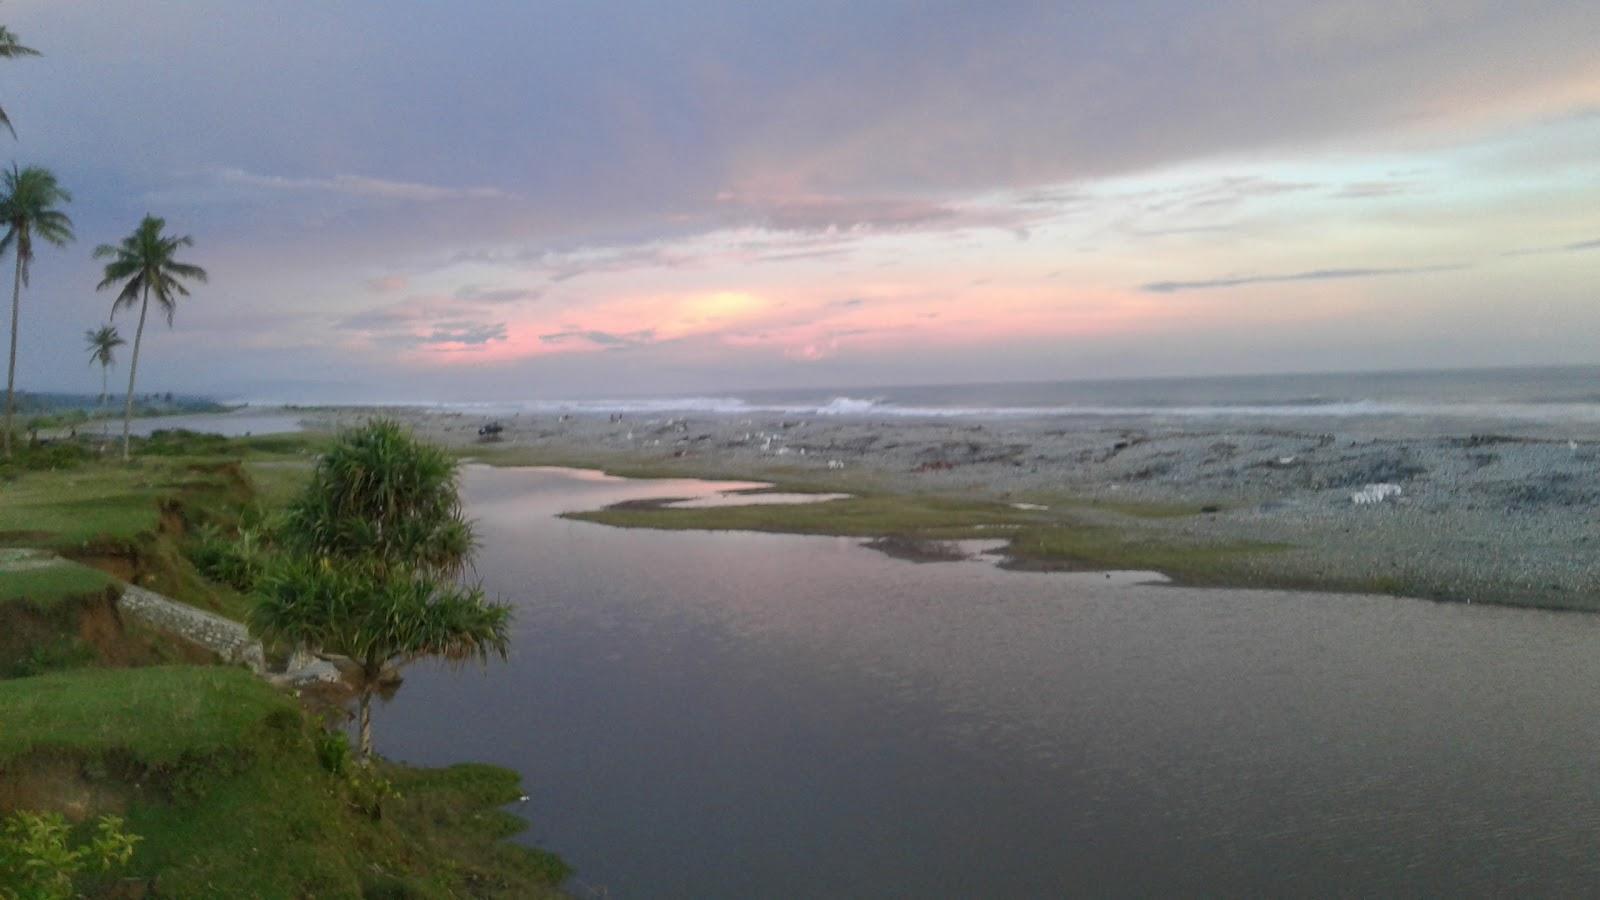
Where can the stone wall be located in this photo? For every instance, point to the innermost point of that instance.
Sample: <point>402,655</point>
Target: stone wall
<point>224,637</point>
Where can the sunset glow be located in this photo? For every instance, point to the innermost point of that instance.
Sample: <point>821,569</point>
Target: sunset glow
<point>1321,187</point>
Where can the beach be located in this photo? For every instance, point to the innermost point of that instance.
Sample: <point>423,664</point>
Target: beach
<point>1403,505</point>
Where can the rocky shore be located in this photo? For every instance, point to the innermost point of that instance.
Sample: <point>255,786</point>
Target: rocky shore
<point>1417,508</point>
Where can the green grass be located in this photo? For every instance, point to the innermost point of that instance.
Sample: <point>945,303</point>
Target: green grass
<point>158,715</point>
<point>276,482</point>
<point>912,516</point>
<point>1102,547</point>
<point>212,768</point>
<point>1133,509</point>
<point>112,515</point>
<point>66,509</point>
<point>45,586</point>
<point>1054,538</point>
<point>216,772</point>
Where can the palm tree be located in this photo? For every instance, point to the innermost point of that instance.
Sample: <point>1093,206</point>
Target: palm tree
<point>10,49</point>
<point>144,265</point>
<point>376,541</point>
<point>103,343</point>
<point>28,208</point>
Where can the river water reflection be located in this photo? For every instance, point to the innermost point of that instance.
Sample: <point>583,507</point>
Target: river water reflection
<point>737,715</point>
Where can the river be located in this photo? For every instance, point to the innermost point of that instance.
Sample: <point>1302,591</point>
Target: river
<point>736,715</point>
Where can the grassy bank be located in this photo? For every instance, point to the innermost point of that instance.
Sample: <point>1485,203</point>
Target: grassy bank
<point>233,788</point>
<point>222,779</point>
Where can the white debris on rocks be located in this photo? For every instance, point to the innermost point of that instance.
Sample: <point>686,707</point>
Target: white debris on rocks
<point>1375,493</point>
<point>317,672</point>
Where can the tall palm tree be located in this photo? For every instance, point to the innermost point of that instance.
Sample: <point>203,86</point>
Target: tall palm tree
<point>144,266</point>
<point>10,49</point>
<point>103,343</point>
<point>28,209</point>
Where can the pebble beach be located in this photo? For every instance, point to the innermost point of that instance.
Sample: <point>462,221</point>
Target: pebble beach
<point>1437,509</point>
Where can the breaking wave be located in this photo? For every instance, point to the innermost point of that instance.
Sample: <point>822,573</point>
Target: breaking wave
<point>861,407</point>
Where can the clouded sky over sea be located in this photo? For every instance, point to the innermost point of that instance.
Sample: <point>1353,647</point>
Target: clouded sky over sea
<point>506,200</point>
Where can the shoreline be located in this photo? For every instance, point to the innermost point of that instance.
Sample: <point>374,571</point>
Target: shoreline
<point>1469,517</point>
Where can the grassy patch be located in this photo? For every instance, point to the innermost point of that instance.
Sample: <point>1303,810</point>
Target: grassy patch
<point>45,586</point>
<point>217,773</point>
<point>66,509</point>
<point>1134,509</point>
<point>159,715</point>
<point>1101,547</point>
<point>869,516</point>
<point>1038,538</point>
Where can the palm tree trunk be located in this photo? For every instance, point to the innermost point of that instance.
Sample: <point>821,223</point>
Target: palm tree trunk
<point>366,725</point>
<point>105,391</point>
<point>11,369</point>
<point>133,370</point>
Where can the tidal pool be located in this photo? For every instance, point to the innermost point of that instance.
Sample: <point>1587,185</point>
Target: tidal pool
<point>736,715</point>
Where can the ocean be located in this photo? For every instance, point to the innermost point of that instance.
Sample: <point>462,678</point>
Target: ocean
<point>1537,400</point>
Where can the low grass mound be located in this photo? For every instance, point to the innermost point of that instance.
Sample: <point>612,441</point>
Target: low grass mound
<point>157,715</point>
<point>884,515</point>
<point>221,778</point>
<point>137,522</point>
<point>1041,538</point>
<point>56,614</point>
<point>45,580</point>
<point>67,509</point>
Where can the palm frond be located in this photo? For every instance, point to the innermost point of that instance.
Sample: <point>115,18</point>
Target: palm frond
<point>10,48</point>
<point>143,263</point>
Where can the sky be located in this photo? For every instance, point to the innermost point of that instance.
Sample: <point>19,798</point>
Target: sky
<point>516,200</point>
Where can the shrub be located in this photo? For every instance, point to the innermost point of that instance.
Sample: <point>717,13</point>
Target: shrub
<point>238,562</point>
<point>38,863</point>
<point>333,752</point>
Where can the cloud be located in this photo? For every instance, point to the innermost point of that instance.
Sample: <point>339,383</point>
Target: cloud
<point>360,186</point>
<point>1575,247</point>
<point>388,284</point>
<point>1362,190</point>
<point>1171,287</point>
<point>432,323</point>
<point>478,294</point>
<point>600,338</point>
<point>822,212</point>
<point>467,333</point>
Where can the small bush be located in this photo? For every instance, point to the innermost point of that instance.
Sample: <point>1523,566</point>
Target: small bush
<point>238,562</point>
<point>333,752</point>
<point>38,861</point>
<point>369,789</point>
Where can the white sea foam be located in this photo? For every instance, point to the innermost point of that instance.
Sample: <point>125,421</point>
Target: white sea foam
<point>1558,397</point>
<point>874,408</point>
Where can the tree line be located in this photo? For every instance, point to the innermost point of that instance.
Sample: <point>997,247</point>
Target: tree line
<point>142,267</point>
